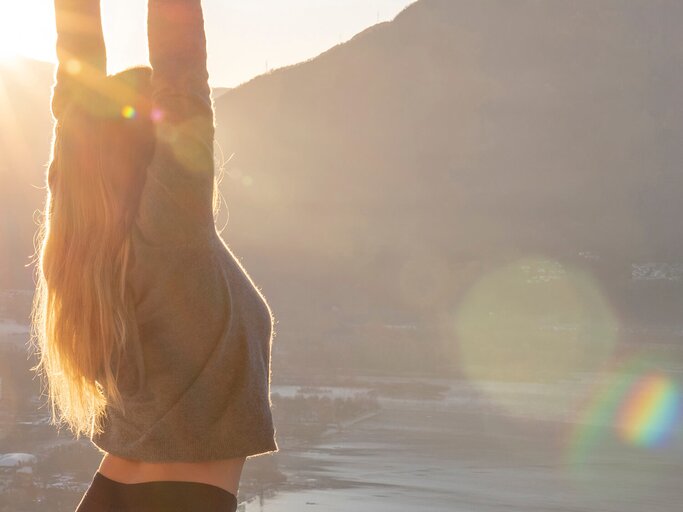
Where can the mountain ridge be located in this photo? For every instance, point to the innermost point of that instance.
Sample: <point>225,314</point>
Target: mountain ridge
<point>385,176</point>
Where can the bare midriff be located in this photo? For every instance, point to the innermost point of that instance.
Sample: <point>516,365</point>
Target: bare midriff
<point>225,473</point>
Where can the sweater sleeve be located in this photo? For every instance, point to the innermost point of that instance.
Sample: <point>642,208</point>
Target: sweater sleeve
<point>81,53</point>
<point>177,205</point>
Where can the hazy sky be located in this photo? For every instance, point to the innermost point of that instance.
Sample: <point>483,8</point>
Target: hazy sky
<point>245,37</point>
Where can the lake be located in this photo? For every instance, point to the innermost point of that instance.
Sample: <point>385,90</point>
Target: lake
<point>486,447</point>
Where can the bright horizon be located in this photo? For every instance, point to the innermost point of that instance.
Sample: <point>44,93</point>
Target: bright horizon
<point>275,33</point>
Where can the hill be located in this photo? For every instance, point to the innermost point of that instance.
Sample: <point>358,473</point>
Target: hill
<point>390,172</point>
<point>368,188</point>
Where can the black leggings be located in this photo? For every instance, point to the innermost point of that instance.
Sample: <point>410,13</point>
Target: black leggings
<point>107,495</point>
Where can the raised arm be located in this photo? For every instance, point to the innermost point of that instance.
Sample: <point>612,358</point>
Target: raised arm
<point>81,53</point>
<point>177,52</point>
<point>177,206</point>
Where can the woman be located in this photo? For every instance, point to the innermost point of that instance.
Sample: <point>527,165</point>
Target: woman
<point>153,339</point>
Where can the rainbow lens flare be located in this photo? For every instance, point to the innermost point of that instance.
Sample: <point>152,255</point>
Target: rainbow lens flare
<point>650,411</point>
<point>637,406</point>
<point>128,112</point>
<point>629,431</point>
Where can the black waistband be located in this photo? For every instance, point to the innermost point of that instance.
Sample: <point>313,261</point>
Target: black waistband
<point>162,494</point>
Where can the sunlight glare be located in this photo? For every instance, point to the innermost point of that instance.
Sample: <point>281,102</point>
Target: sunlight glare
<point>27,29</point>
<point>7,52</point>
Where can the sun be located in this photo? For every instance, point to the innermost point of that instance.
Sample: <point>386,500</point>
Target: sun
<point>10,30</point>
<point>26,30</point>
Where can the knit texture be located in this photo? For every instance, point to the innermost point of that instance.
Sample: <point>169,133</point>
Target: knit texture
<point>204,335</point>
<point>197,370</point>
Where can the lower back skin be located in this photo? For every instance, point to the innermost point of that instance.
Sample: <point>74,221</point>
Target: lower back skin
<point>224,473</point>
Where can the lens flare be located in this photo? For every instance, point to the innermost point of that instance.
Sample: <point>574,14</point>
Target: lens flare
<point>529,324</point>
<point>639,405</point>
<point>128,112</point>
<point>157,115</point>
<point>650,411</point>
<point>633,419</point>
<point>73,67</point>
<point>186,140</point>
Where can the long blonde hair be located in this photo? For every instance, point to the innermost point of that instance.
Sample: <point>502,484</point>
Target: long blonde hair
<point>82,310</point>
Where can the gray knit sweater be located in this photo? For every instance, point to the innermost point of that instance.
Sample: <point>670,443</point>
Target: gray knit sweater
<point>196,375</point>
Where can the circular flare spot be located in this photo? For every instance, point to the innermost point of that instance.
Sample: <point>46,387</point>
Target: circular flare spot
<point>128,112</point>
<point>73,67</point>
<point>157,115</point>
<point>530,323</point>
<point>189,142</point>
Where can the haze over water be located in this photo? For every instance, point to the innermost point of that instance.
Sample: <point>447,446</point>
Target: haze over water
<point>465,453</point>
